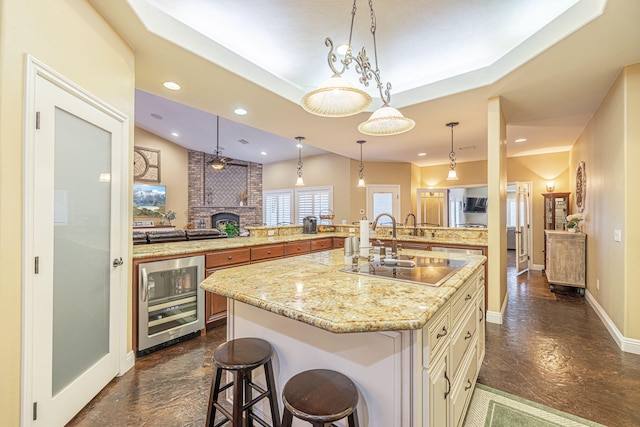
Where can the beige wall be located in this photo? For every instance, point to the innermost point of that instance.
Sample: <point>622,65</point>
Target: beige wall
<point>381,173</point>
<point>317,171</point>
<point>610,148</point>
<point>174,162</point>
<point>469,174</point>
<point>73,39</point>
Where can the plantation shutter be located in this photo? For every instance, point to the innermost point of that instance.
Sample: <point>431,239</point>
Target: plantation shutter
<point>313,201</point>
<point>277,207</point>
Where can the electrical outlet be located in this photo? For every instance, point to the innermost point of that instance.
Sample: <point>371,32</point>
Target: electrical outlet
<point>361,211</point>
<point>617,235</point>
<point>271,232</point>
<point>597,283</point>
<point>352,230</point>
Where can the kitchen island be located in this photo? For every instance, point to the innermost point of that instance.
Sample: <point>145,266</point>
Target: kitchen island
<point>413,350</point>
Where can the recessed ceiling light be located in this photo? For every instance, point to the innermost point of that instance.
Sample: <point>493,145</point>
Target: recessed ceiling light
<point>175,134</point>
<point>156,116</point>
<point>520,140</point>
<point>240,111</point>
<point>264,153</point>
<point>422,154</point>
<point>171,85</point>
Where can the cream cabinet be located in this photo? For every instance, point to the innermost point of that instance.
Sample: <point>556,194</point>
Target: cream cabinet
<point>453,350</point>
<point>565,259</point>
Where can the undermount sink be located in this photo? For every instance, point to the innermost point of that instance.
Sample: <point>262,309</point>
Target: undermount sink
<point>430,271</point>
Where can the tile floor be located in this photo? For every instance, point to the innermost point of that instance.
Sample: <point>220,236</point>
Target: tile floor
<point>552,349</point>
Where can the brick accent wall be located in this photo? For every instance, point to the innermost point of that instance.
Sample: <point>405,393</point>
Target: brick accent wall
<point>213,192</point>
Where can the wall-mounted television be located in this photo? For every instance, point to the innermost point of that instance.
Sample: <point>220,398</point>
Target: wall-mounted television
<point>475,205</point>
<point>149,200</point>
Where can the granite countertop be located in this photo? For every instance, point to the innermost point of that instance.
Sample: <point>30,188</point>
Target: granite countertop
<point>194,246</point>
<point>311,289</point>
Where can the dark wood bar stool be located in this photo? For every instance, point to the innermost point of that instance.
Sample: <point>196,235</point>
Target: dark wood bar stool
<point>240,357</point>
<point>320,396</point>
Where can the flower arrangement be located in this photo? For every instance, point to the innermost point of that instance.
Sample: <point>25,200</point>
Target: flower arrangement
<point>574,220</point>
<point>170,216</point>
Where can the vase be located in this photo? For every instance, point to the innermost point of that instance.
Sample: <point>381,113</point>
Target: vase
<point>571,230</point>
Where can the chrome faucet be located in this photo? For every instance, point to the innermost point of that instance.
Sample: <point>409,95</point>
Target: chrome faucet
<point>394,241</point>
<point>415,226</point>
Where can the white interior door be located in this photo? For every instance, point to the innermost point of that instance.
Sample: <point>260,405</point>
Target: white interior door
<point>383,199</point>
<point>432,209</point>
<point>523,229</point>
<point>74,216</point>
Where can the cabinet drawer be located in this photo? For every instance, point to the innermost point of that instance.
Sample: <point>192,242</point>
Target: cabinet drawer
<point>321,244</point>
<point>297,248</point>
<point>436,335</point>
<point>338,242</point>
<point>463,389</point>
<point>223,258</point>
<point>260,253</point>
<point>462,339</point>
<point>463,298</point>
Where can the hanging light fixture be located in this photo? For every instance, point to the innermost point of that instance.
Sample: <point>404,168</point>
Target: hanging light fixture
<point>337,97</point>
<point>452,155</point>
<point>361,169</point>
<point>300,181</point>
<point>218,162</point>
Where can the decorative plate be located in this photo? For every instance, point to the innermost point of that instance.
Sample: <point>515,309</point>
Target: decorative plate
<point>581,186</point>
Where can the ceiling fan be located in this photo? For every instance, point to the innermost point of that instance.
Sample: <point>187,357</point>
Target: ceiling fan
<point>218,162</point>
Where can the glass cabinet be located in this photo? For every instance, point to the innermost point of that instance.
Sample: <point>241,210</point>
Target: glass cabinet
<point>556,209</point>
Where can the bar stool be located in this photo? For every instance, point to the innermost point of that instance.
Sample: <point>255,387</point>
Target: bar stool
<point>320,396</point>
<point>241,356</point>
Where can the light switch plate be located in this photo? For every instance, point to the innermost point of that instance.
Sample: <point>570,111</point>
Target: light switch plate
<point>617,235</point>
<point>271,232</point>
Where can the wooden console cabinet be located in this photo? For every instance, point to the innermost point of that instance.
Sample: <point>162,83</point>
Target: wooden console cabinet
<point>565,259</point>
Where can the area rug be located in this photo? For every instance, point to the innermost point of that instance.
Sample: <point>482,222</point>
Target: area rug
<point>494,408</point>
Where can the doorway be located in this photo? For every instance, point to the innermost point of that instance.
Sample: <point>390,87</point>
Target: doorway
<point>75,245</point>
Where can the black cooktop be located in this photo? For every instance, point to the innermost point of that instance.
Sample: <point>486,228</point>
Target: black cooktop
<point>431,271</point>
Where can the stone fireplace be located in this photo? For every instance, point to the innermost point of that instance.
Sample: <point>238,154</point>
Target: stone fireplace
<point>235,190</point>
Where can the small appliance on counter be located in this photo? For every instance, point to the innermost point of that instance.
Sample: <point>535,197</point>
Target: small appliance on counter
<point>310,225</point>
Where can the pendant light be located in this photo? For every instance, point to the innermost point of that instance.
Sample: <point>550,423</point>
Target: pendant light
<point>452,155</point>
<point>219,162</point>
<point>361,169</point>
<point>300,181</point>
<point>337,97</point>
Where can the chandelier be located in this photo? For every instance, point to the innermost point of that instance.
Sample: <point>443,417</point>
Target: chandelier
<point>338,97</point>
<point>300,181</point>
<point>452,155</point>
<point>361,168</point>
<point>219,162</point>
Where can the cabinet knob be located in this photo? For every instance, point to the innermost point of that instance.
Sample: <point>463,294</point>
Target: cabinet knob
<point>229,257</point>
<point>268,252</point>
<point>468,297</point>
<point>466,337</point>
<point>468,386</point>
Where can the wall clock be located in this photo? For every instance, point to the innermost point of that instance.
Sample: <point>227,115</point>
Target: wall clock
<point>581,186</point>
<point>146,164</point>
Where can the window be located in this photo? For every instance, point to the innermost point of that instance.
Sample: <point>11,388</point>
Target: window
<point>511,209</point>
<point>312,201</point>
<point>278,207</point>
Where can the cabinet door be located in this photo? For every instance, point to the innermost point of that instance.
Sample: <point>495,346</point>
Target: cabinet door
<point>439,393</point>
<point>215,306</point>
<point>482,322</point>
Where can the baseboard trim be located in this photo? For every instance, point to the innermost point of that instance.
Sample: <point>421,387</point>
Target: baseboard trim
<point>537,267</point>
<point>498,317</point>
<point>129,361</point>
<point>628,345</point>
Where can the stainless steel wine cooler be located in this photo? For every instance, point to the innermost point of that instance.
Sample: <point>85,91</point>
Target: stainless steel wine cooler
<point>170,302</point>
